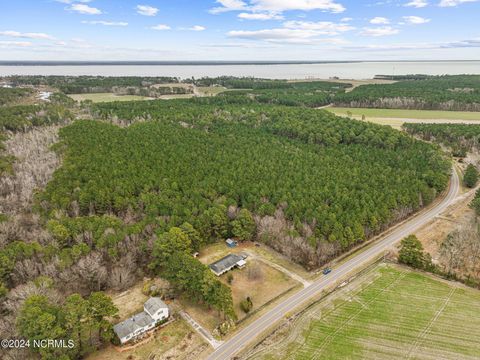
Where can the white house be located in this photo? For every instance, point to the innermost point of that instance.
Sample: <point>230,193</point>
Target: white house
<point>227,263</point>
<point>155,311</point>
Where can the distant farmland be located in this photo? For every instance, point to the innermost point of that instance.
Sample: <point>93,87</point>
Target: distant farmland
<point>390,313</point>
<point>106,97</point>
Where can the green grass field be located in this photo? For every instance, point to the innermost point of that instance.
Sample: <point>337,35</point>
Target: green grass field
<point>408,114</point>
<point>106,97</point>
<point>210,90</point>
<point>389,313</point>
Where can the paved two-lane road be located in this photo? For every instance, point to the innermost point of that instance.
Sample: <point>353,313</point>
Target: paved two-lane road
<point>249,334</point>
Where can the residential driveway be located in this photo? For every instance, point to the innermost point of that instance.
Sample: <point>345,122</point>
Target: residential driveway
<point>202,331</point>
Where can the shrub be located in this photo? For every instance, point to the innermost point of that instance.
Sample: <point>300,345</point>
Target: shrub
<point>246,305</point>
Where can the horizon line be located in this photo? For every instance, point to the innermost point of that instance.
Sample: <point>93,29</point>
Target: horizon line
<point>200,62</point>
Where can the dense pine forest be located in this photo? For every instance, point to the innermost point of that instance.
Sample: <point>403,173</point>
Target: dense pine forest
<point>310,94</point>
<point>337,182</point>
<point>453,92</point>
<point>461,138</point>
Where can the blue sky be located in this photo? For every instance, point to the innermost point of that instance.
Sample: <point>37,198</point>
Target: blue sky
<point>239,29</point>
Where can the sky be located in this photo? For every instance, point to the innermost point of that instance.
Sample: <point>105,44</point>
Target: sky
<point>239,30</point>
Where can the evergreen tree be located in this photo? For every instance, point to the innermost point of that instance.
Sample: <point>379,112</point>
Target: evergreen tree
<point>471,176</point>
<point>243,227</point>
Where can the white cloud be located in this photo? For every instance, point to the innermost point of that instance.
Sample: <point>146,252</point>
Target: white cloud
<point>161,27</point>
<point>7,44</point>
<point>346,19</point>
<point>292,36</point>
<point>41,36</point>
<point>296,32</point>
<point>379,31</point>
<point>106,23</point>
<point>229,5</point>
<point>278,6</point>
<point>84,9</point>
<point>260,16</point>
<point>415,20</point>
<point>147,10</point>
<point>197,28</point>
<point>73,1</point>
<point>471,43</point>
<point>305,5</point>
<point>417,4</point>
<point>379,21</point>
<point>451,3</point>
<point>321,27</point>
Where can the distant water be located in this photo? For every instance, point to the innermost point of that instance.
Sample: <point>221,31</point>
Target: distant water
<point>358,70</point>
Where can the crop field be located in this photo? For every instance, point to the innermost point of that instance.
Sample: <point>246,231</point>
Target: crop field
<point>407,114</point>
<point>389,313</point>
<point>106,97</point>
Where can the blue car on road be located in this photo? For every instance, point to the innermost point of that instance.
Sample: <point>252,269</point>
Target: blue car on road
<point>327,271</point>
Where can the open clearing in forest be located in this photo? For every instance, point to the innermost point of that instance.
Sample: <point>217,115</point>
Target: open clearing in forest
<point>390,312</point>
<point>258,280</point>
<point>106,97</point>
<point>397,117</point>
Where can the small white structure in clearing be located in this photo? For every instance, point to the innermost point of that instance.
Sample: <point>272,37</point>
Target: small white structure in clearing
<point>155,312</point>
<point>44,95</point>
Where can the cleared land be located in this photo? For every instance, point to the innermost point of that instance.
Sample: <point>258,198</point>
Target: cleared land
<point>388,313</point>
<point>106,97</point>
<point>397,117</point>
<point>407,114</point>
<point>175,341</point>
<point>261,282</point>
<point>210,90</point>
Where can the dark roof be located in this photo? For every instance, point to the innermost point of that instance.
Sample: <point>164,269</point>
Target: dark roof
<point>154,304</point>
<point>225,263</point>
<point>132,324</point>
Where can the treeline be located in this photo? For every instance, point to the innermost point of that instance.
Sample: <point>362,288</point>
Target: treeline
<point>232,82</point>
<point>461,138</point>
<point>80,323</point>
<point>90,84</point>
<point>452,92</point>
<point>403,77</point>
<point>172,258</point>
<point>22,117</point>
<point>335,182</point>
<point>310,94</point>
<point>9,96</point>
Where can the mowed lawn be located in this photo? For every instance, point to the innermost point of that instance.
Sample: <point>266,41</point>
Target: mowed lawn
<point>106,97</point>
<point>407,114</point>
<point>393,313</point>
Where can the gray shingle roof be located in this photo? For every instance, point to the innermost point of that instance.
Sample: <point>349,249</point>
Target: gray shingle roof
<point>154,304</point>
<point>225,263</point>
<point>133,324</point>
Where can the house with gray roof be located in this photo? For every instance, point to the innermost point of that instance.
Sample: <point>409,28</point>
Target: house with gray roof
<point>154,312</point>
<point>228,263</point>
